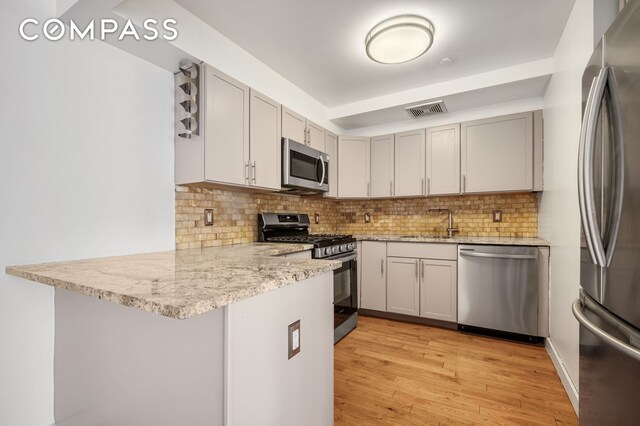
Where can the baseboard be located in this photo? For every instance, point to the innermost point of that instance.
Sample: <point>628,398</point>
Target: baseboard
<point>569,387</point>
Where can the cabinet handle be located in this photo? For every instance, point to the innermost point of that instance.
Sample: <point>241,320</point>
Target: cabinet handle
<point>464,183</point>
<point>428,186</point>
<point>253,172</point>
<point>246,172</point>
<point>391,188</point>
<point>368,189</point>
<point>416,270</point>
<point>382,267</point>
<point>422,268</point>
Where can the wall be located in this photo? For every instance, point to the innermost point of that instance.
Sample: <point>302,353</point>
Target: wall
<point>86,169</point>
<point>559,215</point>
<point>235,215</point>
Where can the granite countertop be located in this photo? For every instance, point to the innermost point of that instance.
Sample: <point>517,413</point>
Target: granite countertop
<point>181,283</point>
<point>505,241</point>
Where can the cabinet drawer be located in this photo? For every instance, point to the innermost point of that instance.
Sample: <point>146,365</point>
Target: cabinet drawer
<point>444,251</point>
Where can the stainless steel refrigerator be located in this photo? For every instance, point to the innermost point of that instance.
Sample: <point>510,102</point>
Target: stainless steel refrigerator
<point>608,307</point>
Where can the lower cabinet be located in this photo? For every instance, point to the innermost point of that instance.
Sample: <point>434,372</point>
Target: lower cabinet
<point>439,289</point>
<point>403,286</point>
<point>398,278</point>
<point>374,276</point>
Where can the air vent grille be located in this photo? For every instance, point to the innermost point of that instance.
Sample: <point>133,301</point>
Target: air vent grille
<point>436,107</point>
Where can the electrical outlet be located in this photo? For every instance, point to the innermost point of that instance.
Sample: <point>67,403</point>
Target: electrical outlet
<point>316,218</point>
<point>367,217</point>
<point>208,217</point>
<point>294,339</point>
<point>497,215</point>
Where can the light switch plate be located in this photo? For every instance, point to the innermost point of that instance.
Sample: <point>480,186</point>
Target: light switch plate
<point>367,217</point>
<point>208,217</point>
<point>294,339</point>
<point>316,218</point>
<point>497,215</point>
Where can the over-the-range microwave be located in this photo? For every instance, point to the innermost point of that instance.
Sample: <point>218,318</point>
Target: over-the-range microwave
<point>304,170</point>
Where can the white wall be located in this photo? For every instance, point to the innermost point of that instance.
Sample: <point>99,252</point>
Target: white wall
<point>86,170</point>
<point>559,218</point>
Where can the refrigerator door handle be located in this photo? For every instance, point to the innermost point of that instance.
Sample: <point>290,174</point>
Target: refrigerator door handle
<point>585,168</point>
<point>619,167</point>
<point>581,304</point>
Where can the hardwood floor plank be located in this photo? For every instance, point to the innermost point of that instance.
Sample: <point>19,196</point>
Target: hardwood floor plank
<point>395,373</point>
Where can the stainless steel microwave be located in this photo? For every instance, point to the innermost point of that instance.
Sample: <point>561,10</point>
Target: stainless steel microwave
<point>304,170</point>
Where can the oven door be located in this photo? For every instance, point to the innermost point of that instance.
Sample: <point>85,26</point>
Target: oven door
<point>345,288</point>
<point>304,167</point>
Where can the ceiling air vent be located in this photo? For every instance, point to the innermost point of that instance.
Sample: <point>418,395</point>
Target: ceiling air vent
<point>435,107</point>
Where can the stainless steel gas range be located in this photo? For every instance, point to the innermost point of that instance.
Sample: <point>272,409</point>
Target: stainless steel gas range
<point>294,228</point>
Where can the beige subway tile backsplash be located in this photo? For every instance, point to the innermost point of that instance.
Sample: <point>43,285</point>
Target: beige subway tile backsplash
<point>235,215</point>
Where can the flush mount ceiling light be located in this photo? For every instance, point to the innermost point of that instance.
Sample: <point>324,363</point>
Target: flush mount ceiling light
<point>399,39</point>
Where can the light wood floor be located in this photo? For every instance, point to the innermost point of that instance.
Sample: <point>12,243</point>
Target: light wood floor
<point>395,373</point>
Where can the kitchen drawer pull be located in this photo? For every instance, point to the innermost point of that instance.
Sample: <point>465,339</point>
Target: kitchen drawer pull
<point>253,172</point>
<point>381,266</point>
<point>498,255</point>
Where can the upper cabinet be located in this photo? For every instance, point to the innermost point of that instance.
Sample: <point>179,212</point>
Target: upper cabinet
<point>497,154</point>
<point>315,136</point>
<point>294,126</point>
<point>353,167</point>
<point>298,128</point>
<point>239,136</point>
<point>381,166</point>
<point>226,128</point>
<point>409,163</point>
<point>264,141</point>
<point>443,160</point>
<point>331,144</point>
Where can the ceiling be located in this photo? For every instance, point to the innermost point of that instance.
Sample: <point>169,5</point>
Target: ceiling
<point>319,44</point>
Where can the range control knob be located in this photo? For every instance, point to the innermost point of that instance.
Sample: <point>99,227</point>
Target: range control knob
<point>327,251</point>
<point>351,246</point>
<point>343,248</point>
<point>335,249</point>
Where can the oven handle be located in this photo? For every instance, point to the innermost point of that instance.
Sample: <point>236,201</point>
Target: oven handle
<point>345,257</point>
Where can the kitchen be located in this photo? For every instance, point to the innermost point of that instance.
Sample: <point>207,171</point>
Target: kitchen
<point>110,183</point>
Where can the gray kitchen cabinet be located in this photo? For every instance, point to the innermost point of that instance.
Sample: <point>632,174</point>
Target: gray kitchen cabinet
<point>409,168</point>
<point>219,151</point>
<point>438,289</point>
<point>403,286</point>
<point>316,136</point>
<point>264,163</point>
<point>226,128</point>
<point>443,160</point>
<point>374,276</point>
<point>382,165</point>
<point>497,154</point>
<point>298,128</point>
<point>294,126</point>
<point>353,167</point>
<point>331,144</point>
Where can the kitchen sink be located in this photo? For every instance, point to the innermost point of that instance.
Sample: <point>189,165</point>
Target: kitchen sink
<point>436,237</point>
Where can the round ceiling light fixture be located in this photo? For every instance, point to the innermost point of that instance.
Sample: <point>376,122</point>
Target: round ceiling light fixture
<point>399,39</point>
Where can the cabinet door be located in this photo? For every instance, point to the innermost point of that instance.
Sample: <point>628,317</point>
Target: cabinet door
<point>331,144</point>
<point>409,163</point>
<point>226,117</point>
<point>443,160</point>
<point>264,141</point>
<point>439,289</point>
<point>403,286</point>
<point>497,154</point>
<point>381,167</point>
<point>374,276</point>
<point>353,167</point>
<point>294,126</point>
<point>315,136</point>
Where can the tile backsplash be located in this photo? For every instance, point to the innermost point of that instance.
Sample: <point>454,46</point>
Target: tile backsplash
<point>235,215</point>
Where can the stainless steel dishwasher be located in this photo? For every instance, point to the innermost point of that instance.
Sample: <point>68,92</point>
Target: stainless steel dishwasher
<point>498,290</point>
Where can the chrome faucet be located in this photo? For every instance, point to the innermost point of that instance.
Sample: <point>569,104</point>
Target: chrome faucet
<point>450,228</point>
